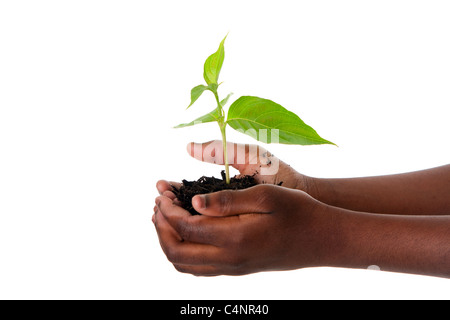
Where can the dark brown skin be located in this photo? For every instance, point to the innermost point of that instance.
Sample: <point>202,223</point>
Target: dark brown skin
<point>399,222</point>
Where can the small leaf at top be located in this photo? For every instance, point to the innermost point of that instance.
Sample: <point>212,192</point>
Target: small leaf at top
<point>213,65</point>
<point>196,92</point>
<point>209,117</point>
<point>268,122</point>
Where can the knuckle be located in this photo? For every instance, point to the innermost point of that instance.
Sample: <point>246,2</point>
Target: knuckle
<point>184,229</point>
<point>189,270</point>
<point>237,248</point>
<point>236,261</point>
<point>181,268</point>
<point>266,197</point>
<point>238,239</point>
<point>173,254</point>
<point>226,201</point>
<point>192,229</point>
<point>202,234</point>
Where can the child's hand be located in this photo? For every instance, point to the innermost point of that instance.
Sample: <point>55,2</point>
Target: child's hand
<point>265,227</point>
<point>250,160</point>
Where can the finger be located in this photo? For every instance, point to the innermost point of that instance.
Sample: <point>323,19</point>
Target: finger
<point>164,186</point>
<point>181,252</point>
<point>210,270</point>
<point>155,209</point>
<point>258,199</point>
<point>248,159</point>
<point>167,235</point>
<point>197,229</point>
<point>198,271</point>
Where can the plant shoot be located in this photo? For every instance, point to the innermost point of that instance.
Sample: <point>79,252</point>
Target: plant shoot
<point>256,117</point>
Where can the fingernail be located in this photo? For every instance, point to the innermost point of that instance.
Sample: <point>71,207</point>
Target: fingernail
<point>189,147</point>
<point>200,201</point>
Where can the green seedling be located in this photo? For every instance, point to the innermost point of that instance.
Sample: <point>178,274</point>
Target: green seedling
<point>256,117</point>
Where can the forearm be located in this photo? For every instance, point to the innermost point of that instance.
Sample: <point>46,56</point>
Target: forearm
<point>416,193</point>
<point>398,243</point>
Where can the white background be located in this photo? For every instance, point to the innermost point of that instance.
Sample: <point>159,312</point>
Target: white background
<point>90,90</point>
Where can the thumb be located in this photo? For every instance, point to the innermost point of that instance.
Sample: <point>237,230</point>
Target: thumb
<point>246,158</point>
<point>257,199</point>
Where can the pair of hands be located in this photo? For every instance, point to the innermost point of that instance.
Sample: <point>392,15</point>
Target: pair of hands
<point>266,227</point>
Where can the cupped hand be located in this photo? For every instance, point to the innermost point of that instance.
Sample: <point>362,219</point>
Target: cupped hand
<point>262,228</point>
<point>250,160</point>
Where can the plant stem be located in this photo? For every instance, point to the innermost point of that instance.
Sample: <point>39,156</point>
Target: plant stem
<point>223,127</point>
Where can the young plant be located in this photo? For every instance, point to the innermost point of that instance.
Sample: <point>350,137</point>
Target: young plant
<point>253,116</point>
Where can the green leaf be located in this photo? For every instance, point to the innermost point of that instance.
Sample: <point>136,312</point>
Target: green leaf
<point>209,117</point>
<point>224,101</point>
<point>196,92</point>
<point>213,65</point>
<point>251,115</point>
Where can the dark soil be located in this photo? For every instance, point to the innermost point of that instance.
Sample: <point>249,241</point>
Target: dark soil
<point>206,185</point>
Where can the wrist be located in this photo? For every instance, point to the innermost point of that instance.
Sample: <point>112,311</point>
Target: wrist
<point>308,185</point>
<point>329,238</point>
<point>319,244</point>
